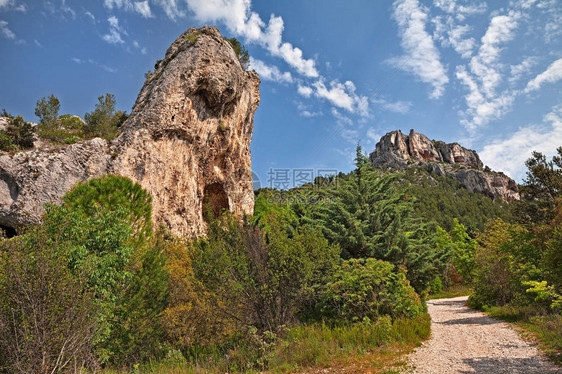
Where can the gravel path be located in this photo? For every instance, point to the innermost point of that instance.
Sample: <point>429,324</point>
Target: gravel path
<point>466,341</point>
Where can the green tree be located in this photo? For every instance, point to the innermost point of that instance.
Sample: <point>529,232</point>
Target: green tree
<point>104,121</point>
<point>540,189</point>
<point>113,192</point>
<point>368,288</point>
<point>241,52</point>
<point>47,110</point>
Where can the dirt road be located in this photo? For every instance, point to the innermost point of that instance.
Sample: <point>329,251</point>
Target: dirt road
<point>466,341</point>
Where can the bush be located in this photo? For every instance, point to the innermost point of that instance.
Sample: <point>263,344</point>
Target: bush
<point>46,313</point>
<point>17,135</point>
<point>366,289</point>
<point>263,280</point>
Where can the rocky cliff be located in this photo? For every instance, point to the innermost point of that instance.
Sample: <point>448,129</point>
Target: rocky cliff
<point>396,150</point>
<point>187,142</point>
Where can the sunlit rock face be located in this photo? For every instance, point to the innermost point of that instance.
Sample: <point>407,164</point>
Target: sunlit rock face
<point>396,150</point>
<point>187,142</point>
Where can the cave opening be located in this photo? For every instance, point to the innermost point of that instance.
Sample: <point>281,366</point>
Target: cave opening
<point>215,200</point>
<point>7,231</point>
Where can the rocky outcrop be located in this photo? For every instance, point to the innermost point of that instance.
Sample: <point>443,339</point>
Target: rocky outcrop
<point>396,150</point>
<point>187,142</point>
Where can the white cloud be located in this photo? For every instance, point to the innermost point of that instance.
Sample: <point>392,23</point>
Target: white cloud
<point>524,67</point>
<point>5,30</point>
<point>485,65</point>
<point>483,75</point>
<point>143,8</point>
<point>37,43</point>
<point>270,72</point>
<point>452,35</point>
<point>139,47</point>
<point>305,91</point>
<point>77,60</point>
<point>552,74</point>
<point>114,36</point>
<point>460,11</point>
<point>68,10</point>
<point>421,56</point>
<point>342,95</point>
<point>482,109</point>
<point>239,19</point>
<point>373,136</point>
<point>509,155</point>
<point>401,107</point>
<point>13,5</point>
<point>91,16</point>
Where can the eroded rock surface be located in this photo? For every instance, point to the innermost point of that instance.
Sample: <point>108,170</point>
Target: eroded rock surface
<point>186,142</point>
<point>396,150</point>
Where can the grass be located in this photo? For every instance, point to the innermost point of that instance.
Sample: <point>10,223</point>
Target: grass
<point>376,347</point>
<point>545,329</point>
<point>459,290</point>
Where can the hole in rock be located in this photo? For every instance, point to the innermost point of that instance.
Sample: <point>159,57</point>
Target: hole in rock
<point>215,200</point>
<point>8,231</point>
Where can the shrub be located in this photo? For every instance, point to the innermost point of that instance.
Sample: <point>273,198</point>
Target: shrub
<point>262,279</point>
<point>17,135</point>
<point>104,121</point>
<point>46,313</point>
<point>362,289</point>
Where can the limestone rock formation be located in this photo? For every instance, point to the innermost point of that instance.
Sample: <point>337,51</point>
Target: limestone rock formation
<point>396,150</point>
<point>187,142</point>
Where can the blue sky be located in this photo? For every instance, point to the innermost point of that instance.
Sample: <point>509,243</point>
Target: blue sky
<point>334,73</point>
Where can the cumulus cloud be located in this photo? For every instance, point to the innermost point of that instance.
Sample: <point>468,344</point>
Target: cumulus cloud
<point>5,30</point>
<point>552,74</point>
<point>143,9</point>
<point>342,95</point>
<point>239,19</point>
<point>510,154</point>
<point>115,31</point>
<point>421,56</point>
<point>270,72</point>
<point>305,91</point>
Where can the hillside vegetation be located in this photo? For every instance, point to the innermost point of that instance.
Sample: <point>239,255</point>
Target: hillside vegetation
<point>332,273</point>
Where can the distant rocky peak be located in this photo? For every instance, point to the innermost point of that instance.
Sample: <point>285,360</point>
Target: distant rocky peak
<point>397,151</point>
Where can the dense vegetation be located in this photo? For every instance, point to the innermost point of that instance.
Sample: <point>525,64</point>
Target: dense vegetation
<point>104,122</point>
<point>517,272</point>
<point>320,274</point>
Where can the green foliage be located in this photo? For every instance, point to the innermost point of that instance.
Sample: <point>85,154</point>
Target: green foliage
<point>46,314</point>
<point>366,289</point>
<point>240,51</point>
<point>518,260</point>
<point>17,135</point>
<point>460,247</point>
<point>368,217</point>
<point>540,189</point>
<point>47,109</point>
<point>104,121</point>
<point>117,193</point>
<point>441,199</point>
<point>262,280</point>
